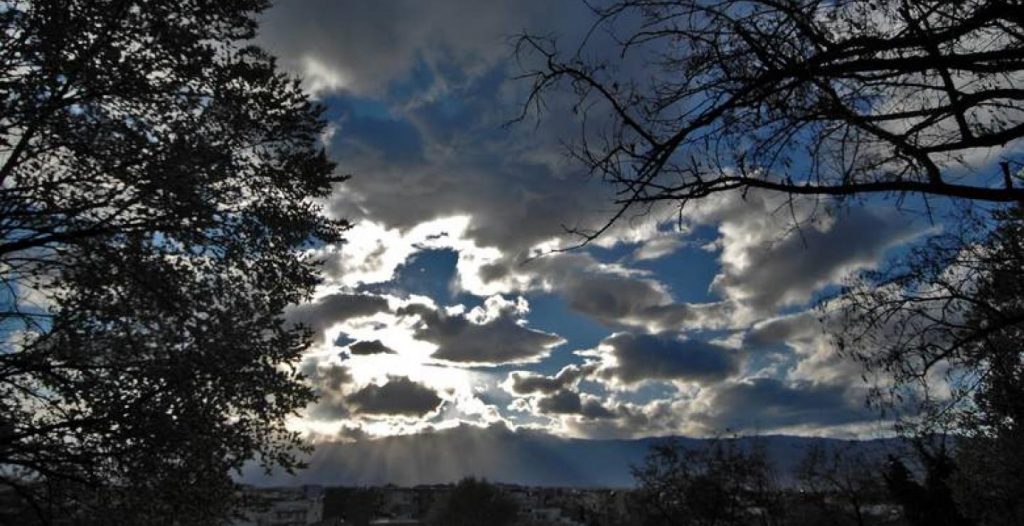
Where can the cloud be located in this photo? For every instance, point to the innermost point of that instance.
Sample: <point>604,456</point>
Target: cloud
<point>420,96</point>
<point>515,200</point>
<point>525,382</point>
<point>808,335</point>
<point>332,309</point>
<point>593,409</point>
<point>558,394</point>
<point>611,294</point>
<point>492,335</point>
<point>329,382</point>
<point>399,396</point>
<point>763,405</point>
<point>801,326</point>
<point>326,377</point>
<point>329,408</point>
<point>369,347</point>
<point>625,300</point>
<point>560,402</point>
<point>770,403</point>
<point>659,247</point>
<point>658,417</point>
<point>571,403</point>
<point>630,359</point>
<point>768,263</point>
<point>372,252</point>
<point>447,155</point>
<point>366,46</point>
<point>416,97</point>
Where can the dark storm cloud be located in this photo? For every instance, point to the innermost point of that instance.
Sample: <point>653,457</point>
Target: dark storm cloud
<point>629,420</point>
<point>524,382</point>
<point>399,396</point>
<point>770,403</point>
<point>369,347</point>
<point>567,402</point>
<point>325,378</point>
<point>504,180</point>
<point>626,300</point>
<point>666,356</point>
<point>329,409</point>
<point>497,340</point>
<point>561,402</point>
<point>335,308</point>
<point>751,405</point>
<point>593,409</point>
<point>462,164</point>
<point>328,382</point>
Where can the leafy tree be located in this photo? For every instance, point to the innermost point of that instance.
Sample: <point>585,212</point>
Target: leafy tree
<point>357,506</point>
<point>945,326</point>
<point>841,481</point>
<point>474,502</point>
<point>721,483</point>
<point>929,501</point>
<point>946,315</point>
<point>990,451</point>
<point>806,97</point>
<point>159,178</point>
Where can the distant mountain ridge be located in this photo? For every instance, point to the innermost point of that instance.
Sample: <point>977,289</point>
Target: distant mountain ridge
<point>516,457</point>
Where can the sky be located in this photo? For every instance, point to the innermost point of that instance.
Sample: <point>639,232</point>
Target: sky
<point>449,304</point>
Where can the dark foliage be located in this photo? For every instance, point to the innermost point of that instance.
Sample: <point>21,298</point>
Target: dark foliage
<point>927,502</point>
<point>357,506</point>
<point>474,502</point>
<point>990,451</point>
<point>945,327</point>
<point>718,484</point>
<point>840,483</point>
<point>158,179</point>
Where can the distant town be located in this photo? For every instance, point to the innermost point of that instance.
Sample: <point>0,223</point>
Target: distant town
<point>395,505</point>
<point>531,506</point>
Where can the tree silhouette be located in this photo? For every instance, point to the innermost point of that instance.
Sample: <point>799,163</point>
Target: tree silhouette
<point>357,506</point>
<point>836,100</point>
<point>943,326</point>
<point>841,481</point>
<point>158,180</point>
<point>805,97</point>
<point>990,453</point>
<point>929,501</point>
<point>719,483</point>
<point>473,502</point>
